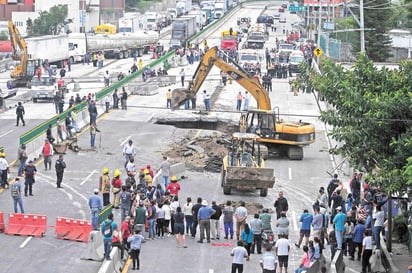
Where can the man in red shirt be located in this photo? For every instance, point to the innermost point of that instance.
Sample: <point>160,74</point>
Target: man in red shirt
<point>173,188</point>
<point>47,154</point>
<point>125,230</point>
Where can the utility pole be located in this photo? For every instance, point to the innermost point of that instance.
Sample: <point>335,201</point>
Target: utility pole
<point>320,22</point>
<point>362,27</point>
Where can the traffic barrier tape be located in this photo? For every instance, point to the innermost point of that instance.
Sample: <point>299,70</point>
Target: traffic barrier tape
<point>72,229</point>
<point>1,221</point>
<point>27,224</point>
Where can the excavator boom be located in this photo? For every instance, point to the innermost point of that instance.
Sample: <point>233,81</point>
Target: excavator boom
<point>213,57</point>
<point>19,51</point>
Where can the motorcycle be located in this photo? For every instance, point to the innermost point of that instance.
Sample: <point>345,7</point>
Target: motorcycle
<point>268,238</point>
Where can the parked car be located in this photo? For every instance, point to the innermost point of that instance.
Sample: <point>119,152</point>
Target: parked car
<point>282,20</point>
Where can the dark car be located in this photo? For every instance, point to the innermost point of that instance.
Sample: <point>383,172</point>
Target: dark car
<point>284,5</point>
<point>262,19</point>
<point>281,9</point>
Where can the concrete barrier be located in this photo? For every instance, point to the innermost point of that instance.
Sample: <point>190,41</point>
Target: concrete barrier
<point>338,265</point>
<point>386,258</point>
<point>115,264</point>
<point>95,247</point>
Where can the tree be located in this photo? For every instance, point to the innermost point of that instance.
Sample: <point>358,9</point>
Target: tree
<point>377,15</point>
<point>371,118</point>
<point>49,22</point>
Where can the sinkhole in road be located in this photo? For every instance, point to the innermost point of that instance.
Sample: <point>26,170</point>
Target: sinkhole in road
<point>222,126</point>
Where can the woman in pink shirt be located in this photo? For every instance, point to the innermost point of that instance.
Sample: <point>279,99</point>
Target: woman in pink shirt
<point>305,262</point>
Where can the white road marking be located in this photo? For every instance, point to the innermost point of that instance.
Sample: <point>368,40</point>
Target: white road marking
<point>87,178</point>
<point>150,117</point>
<point>211,270</point>
<point>294,221</point>
<point>6,133</point>
<point>290,173</point>
<point>65,185</point>
<point>26,241</point>
<point>127,139</point>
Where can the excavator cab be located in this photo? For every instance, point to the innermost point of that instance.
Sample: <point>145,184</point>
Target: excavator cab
<point>259,122</point>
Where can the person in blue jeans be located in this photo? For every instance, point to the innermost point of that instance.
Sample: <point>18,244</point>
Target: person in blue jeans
<point>108,235</point>
<point>95,205</point>
<point>339,221</point>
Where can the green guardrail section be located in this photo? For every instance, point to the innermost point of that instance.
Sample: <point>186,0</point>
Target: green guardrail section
<point>42,128</point>
<point>104,213</point>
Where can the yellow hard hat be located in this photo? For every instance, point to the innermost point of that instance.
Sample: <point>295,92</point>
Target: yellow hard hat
<point>2,154</point>
<point>105,170</point>
<point>173,179</point>
<point>146,172</point>
<point>117,173</point>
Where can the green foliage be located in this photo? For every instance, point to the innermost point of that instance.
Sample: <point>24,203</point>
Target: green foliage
<point>370,117</point>
<point>139,5</point>
<point>49,22</point>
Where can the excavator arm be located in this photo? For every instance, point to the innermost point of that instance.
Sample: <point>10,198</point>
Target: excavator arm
<point>234,71</point>
<point>19,51</point>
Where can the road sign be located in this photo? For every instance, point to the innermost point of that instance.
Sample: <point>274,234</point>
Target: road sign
<point>296,8</point>
<point>318,51</point>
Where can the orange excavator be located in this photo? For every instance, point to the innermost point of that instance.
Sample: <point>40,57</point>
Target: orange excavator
<point>281,137</point>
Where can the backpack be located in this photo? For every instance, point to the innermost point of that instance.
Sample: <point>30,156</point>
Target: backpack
<point>108,229</point>
<point>15,191</point>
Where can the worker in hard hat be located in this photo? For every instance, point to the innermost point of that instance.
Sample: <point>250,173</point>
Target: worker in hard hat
<point>4,171</point>
<point>117,185</point>
<point>174,187</point>
<point>148,178</point>
<point>105,186</point>
<point>149,168</point>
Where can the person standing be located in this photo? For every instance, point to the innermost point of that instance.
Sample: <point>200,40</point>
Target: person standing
<point>268,261</point>
<point>105,187</point>
<point>47,153</point>
<point>151,218</point>
<point>59,126</point>
<point>195,211</point>
<point>92,112</point>
<point>22,156</point>
<point>240,216</point>
<point>228,219</point>
<point>215,221</point>
<point>182,76</point>
<point>124,99</point>
<point>358,232</point>
<point>165,171</point>
<point>61,105</point>
<point>247,238</point>
<point>107,103</point>
<point>256,226</point>
<point>95,205</point>
<point>116,188</point>
<point>339,222</point>
<point>187,211</point>
<point>281,204</point>
<point>246,99</point>
<point>239,99</point>
<point>115,99</point>
<point>49,134</point>
<point>107,228</point>
<point>203,218</point>
<point>20,114</point>
<point>206,100</point>
<point>129,151</point>
<point>60,166</point>
<point>238,253</point>
<point>168,99</point>
<point>4,171</point>
<point>140,217</point>
<point>306,219</point>
<point>93,131</point>
<point>282,225</point>
<point>366,251</point>
<point>136,241</point>
<point>106,78</point>
<point>125,203</point>
<point>378,225</point>
<point>29,172</point>
<point>179,227</point>
<point>333,184</point>
<point>15,191</point>
<point>282,248</point>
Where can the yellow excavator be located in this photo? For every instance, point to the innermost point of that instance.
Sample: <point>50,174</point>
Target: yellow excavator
<point>281,137</point>
<point>25,70</point>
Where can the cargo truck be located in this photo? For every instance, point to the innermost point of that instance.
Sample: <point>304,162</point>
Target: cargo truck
<point>152,20</point>
<point>129,22</point>
<point>209,11</point>
<point>120,45</point>
<point>53,48</point>
<point>182,29</point>
<point>184,5</point>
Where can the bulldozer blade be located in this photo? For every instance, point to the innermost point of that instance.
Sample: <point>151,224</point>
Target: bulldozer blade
<point>249,177</point>
<point>179,96</point>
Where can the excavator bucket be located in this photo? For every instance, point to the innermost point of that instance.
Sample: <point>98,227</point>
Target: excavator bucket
<point>247,177</point>
<point>179,96</point>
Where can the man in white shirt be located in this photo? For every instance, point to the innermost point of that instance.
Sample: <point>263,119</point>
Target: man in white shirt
<point>268,261</point>
<point>129,150</point>
<point>206,100</point>
<point>165,171</point>
<point>240,216</point>
<point>246,99</point>
<point>238,253</point>
<point>282,248</point>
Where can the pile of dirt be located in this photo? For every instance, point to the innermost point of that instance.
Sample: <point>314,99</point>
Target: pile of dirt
<point>203,153</point>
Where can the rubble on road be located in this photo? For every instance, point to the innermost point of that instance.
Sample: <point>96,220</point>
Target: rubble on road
<point>203,153</point>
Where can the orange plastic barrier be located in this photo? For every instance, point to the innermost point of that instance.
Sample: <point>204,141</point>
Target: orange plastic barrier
<point>72,229</point>
<point>1,221</point>
<point>27,224</point>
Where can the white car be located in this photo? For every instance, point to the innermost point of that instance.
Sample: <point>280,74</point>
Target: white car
<point>282,20</point>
